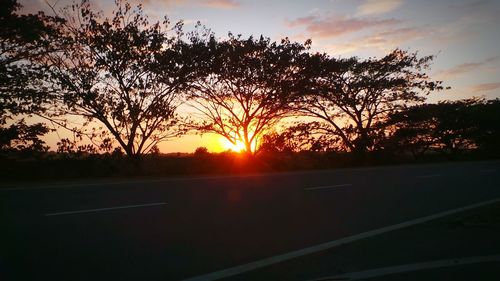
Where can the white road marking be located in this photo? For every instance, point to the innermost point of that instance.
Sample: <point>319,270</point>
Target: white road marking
<point>328,186</point>
<point>383,271</point>
<point>325,246</point>
<point>428,176</point>
<point>104,209</point>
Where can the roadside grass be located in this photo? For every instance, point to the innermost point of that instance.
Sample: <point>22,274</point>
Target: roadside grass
<point>66,166</point>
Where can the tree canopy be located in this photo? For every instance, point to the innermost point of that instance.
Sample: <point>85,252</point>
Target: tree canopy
<point>249,86</point>
<point>450,127</point>
<point>23,38</point>
<point>351,96</point>
<point>122,72</point>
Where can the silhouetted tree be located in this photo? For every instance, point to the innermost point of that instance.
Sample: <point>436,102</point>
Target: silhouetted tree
<point>155,150</point>
<point>248,87</point>
<point>22,39</point>
<point>351,96</point>
<point>20,136</point>
<point>71,149</point>
<point>201,151</point>
<point>277,142</point>
<point>121,72</point>
<point>296,138</point>
<point>447,126</point>
<point>486,116</point>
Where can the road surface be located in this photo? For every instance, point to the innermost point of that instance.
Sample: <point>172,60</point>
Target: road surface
<point>174,229</point>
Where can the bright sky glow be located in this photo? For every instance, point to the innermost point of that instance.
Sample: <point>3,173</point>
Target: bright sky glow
<point>237,147</point>
<point>464,34</point>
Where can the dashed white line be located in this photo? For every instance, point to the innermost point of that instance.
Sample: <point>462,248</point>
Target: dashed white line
<point>377,272</point>
<point>321,247</point>
<point>428,176</point>
<point>104,209</point>
<point>328,186</point>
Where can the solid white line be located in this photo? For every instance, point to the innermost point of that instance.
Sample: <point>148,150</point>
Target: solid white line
<point>104,209</point>
<point>428,176</point>
<point>324,246</point>
<point>383,271</point>
<point>328,186</point>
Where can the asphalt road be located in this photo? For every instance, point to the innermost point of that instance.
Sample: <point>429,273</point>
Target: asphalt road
<point>172,229</point>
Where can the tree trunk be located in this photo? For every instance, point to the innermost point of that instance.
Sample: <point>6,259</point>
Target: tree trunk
<point>248,148</point>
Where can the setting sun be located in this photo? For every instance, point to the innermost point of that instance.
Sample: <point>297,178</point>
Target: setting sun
<point>239,146</point>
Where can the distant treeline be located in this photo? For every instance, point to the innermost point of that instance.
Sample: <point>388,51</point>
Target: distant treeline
<point>117,84</point>
<point>447,128</point>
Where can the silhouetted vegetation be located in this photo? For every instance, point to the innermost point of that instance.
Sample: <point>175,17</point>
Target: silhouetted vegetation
<point>117,83</point>
<point>122,71</point>
<point>23,38</point>
<point>249,86</point>
<point>449,127</point>
<point>352,97</point>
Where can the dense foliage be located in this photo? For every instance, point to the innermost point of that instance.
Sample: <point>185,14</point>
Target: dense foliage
<point>108,70</point>
<point>249,86</point>
<point>23,38</point>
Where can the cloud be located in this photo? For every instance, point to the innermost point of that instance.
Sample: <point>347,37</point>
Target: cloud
<point>334,26</point>
<point>467,7</point>
<point>383,41</point>
<point>465,68</point>
<point>375,7</point>
<point>221,4</point>
<point>215,4</point>
<point>401,35</point>
<point>485,87</point>
<point>168,2</point>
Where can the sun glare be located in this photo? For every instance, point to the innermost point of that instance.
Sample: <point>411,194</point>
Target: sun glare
<point>239,146</point>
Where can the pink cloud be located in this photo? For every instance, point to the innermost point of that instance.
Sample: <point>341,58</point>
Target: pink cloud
<point>335,26</point>
<point>383,41</point>
<point>485,87</point>
<point>221,4</point>
<point>372,7</point>
<point>466,67</point>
